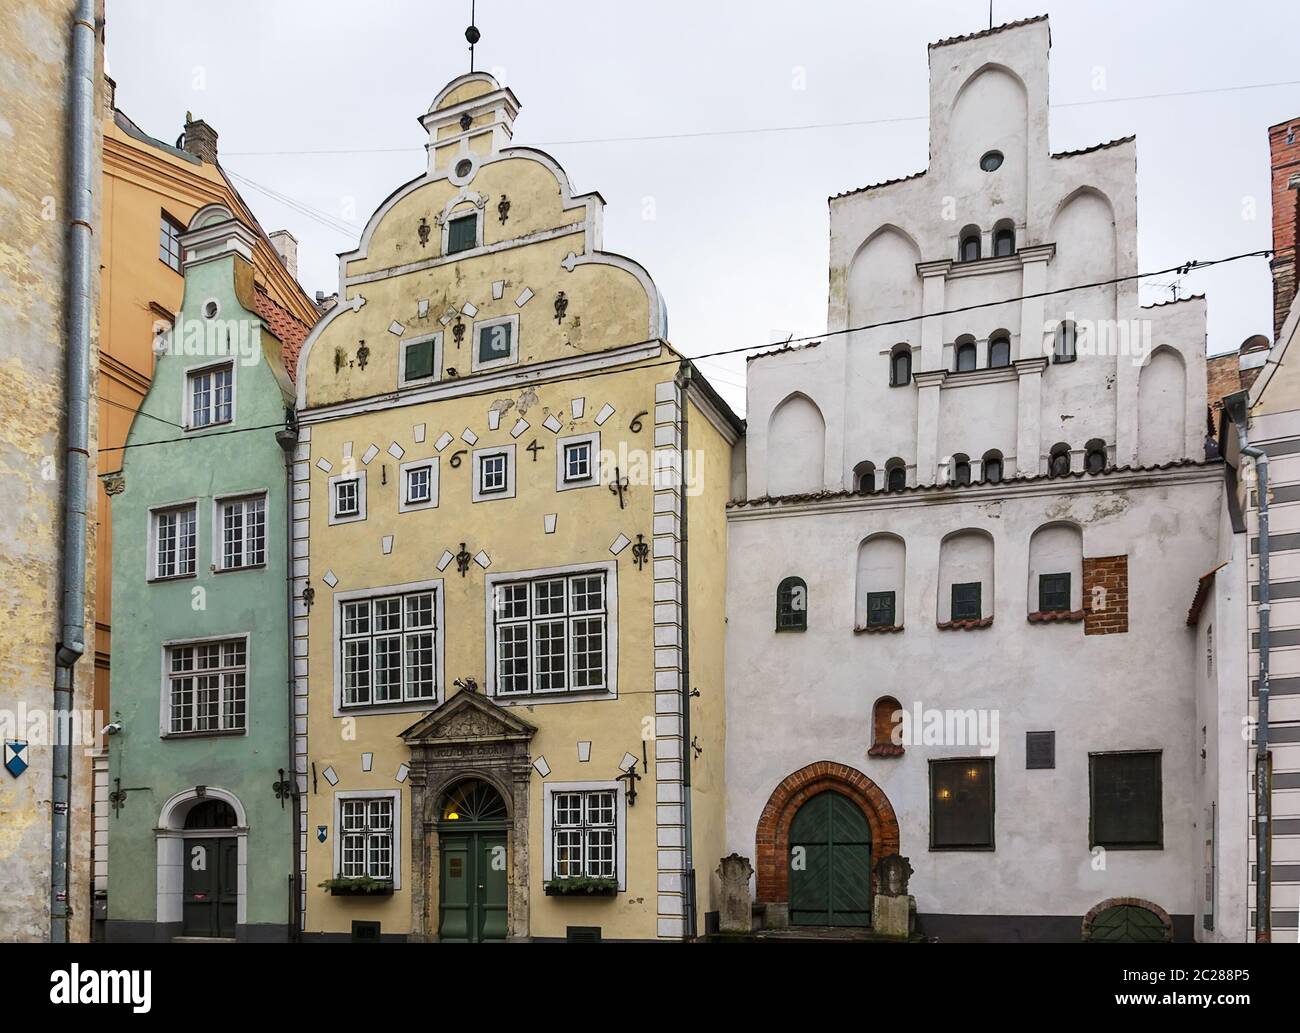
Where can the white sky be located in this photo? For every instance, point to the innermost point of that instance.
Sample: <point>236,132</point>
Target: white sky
<point>732,227</point>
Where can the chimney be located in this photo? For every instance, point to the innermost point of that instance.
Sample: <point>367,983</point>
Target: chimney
<point>286,246</point>
<point>200,139</point>
<point>110,94</point>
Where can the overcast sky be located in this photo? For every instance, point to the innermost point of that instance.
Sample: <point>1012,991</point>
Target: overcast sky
<point>732,225</point>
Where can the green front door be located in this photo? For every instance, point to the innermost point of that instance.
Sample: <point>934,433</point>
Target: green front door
<point>211,887</point>
<point>473,886</point>
<point>830,863</point>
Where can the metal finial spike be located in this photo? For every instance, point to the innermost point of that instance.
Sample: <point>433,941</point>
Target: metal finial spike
<point>472,34</point>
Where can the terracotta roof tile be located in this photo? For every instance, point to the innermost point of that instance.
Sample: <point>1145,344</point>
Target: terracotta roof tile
<point>1095,147</point>
<point>989,32</point>
<point>876,186</point>
<point>783,348</point>
<point>290,330</point>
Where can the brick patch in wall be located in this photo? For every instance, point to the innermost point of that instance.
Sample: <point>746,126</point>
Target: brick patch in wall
<point>1105,595</point>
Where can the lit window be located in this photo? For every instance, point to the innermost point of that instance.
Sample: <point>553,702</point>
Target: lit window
<point>169,241</point>
<point>243,532</point>
<point>366,838</point>
<point>212,395</point>
<point>584,832</point>
<point>175,541</point>
<point>551,635</point>
<point>961,804</point>
<point>387,649</point>
<point>207,687</point>
<point>462,234</point>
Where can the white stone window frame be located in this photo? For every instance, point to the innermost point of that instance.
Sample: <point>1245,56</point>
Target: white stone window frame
<point>395,795</point>
<point>435,586</point>
<point>348,518</point>
<point>512,320</point>
<point>151,550</point>
<point>187,394</point>
<point>550,789</point>
<point>219,529</point>
<point>478,455</point>
<point>436,338</point>
<point>562,483</point>
<point>404,505</point>
<point>164,693</point>
<point>610,569</point>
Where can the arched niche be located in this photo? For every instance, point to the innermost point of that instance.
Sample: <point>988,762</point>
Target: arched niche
<point>1162,408</point>
<point>881,579</point>
<point>796,447</point>
<point>1056,571</point>
<point>883,282</point>
<point>966,576</point>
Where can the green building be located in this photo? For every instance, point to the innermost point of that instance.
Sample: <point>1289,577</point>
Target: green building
<point>201,827</point>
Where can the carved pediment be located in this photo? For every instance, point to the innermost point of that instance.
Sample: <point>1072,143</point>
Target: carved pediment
<point>465,717</point>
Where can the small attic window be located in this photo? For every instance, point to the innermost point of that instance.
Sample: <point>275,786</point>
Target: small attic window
<point>991,161</point>
<point>464,167</point>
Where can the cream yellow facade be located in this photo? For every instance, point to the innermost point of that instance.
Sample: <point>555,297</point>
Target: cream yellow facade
<point>495,437</point>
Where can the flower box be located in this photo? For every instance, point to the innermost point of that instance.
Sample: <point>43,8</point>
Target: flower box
<point>582,886</point>
<point>363,886</point>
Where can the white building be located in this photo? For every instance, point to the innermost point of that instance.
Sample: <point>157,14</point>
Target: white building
<point>990,516</point>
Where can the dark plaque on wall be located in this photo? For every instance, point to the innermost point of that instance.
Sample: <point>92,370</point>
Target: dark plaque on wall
<point>1040,750</point>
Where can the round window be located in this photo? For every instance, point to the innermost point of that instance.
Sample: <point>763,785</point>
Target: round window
<point>464,167</point>
<point>210,309</point>
<point>992,161</point>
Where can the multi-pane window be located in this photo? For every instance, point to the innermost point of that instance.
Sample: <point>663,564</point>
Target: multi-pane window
<point>211,394</point>
<point>347,497</point>
<point>419,485</point>
<point>366,844</point>
<point>880,609</point>
<point>169,241</point>
<point>577,461</point>
<point>585,833</point>
<point>243,532</point>
<point>462,233</point>
<point>493,473</point>
<point>207,687</point>
<point>961,804</point>
<point>175,541</point>
<point>1053,593</point>
<point>1125,793</point>
<point>551,635</point>
<point>966,602</point>
<point>387,649</point>
<point>792,605</point>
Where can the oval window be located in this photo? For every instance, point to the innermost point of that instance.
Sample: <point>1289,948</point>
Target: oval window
<point>992,161</point>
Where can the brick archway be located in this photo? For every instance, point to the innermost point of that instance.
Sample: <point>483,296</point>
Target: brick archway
<point>772,842</point>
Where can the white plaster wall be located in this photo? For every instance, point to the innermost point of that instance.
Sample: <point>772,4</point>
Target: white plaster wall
<point>793,699</point>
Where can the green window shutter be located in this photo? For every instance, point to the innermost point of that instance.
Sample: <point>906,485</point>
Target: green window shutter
<point>462,234</point>
<point>419,360</point>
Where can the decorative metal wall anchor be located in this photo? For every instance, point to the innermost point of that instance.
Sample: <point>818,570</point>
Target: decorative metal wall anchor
<point>283,789</point>
<point>117,798</point>
<point>503,208</point>
<point>363,355</point>
<point>466,121</point>
<point>618,486</point>
<point>695,746</point>
<point>466,684</point>
<point>561,306</point>
<point>308,596</point>
<point>458,331</point>
<point>640,552</point>
<point>423,230</point>
<point>462,560</point>
<point>631,778</point>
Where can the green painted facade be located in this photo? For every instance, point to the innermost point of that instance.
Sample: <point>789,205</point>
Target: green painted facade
<point>149,888</point>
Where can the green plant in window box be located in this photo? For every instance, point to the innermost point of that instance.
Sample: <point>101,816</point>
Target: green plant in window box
<point>361,885</point>
<point>582,886</point>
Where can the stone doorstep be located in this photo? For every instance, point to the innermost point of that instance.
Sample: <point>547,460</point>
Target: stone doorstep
<point>203,939</point>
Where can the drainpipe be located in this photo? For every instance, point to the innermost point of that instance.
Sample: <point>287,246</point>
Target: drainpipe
<point>684,377</point>
<point>72,638</point>
<point>287,438</point>
<point>1236,406</point>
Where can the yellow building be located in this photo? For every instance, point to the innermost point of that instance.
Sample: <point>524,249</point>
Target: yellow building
<point>497,615</point>
<point>151,190</point>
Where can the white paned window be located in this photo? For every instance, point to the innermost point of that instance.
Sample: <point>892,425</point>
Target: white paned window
<point>387,649</point>
<point>551,634</point>
<point>207,687</point>
<point>577,461</point>
<point>419,485</point>
<point>175,541</point>
<point>584,833</point>
<point>169,241</point>
<point>366,838</point>
<point>211,395</point>
<point>492,473</point>
<point>347,498</point>
<point>243,532</point>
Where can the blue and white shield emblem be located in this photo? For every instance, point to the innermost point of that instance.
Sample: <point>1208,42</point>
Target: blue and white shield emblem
<point>321,832</point>
<point>15,756</point>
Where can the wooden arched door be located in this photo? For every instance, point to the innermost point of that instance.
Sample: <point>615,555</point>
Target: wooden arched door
<point>830,863</point>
